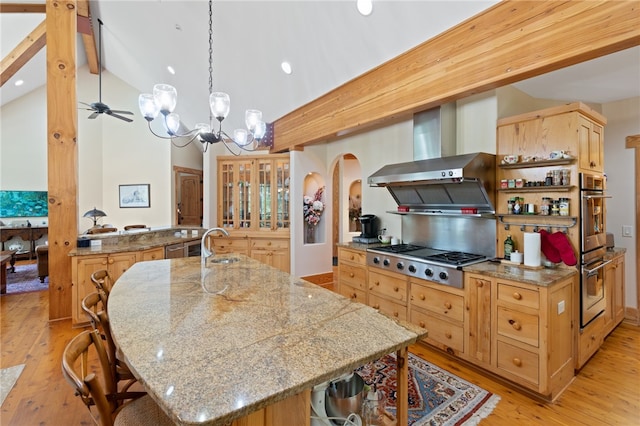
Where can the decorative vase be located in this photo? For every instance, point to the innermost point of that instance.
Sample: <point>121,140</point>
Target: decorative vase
<point>310,234</point>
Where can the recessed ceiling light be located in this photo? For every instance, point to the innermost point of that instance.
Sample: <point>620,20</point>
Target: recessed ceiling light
<point>19,82</point>
<point>365,7</point>
<point>286,67</point>
<point>171,70</point>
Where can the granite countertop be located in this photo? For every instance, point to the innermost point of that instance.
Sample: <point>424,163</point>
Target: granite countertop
<point>137,240</point>
<point>213,344</point>
<point>614,252</point>
<point>541,277</point>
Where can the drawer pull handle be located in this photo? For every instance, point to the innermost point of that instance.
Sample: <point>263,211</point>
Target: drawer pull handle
<point>354,296</point>
<point>517,296</point>
<point>111,261</point>
<point>515,324</point>
<point>447,305</point>
<point>377,283</point>
<point>480,283</point>
<point>422,324</point>
<point>352,257</point>
<point>269,243</point>
<point>396,289</point>
<point>422,297</point>
<point>447,335</point>
<point>517,362</point>
<point>396,314</point>
<point>351,274</point>
<point>376,306</point>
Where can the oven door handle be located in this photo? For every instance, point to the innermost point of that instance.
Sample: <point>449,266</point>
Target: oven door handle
<point>591,271</point>
<point>589,197</point>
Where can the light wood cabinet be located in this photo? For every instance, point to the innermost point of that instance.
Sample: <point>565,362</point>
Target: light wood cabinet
<point>614,293</point>
<point>272,252</point>
<point>440,310</point>
<point>226,245</point>
<point>590,145</point>
<point>152,254</point>
<point>530,330</point>
<point>352,274</point>
<point>82,267</point>
<point>253,192</point>
<point>589,341</point>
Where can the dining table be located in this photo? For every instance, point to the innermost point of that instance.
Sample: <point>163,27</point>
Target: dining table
<point>235,341</point>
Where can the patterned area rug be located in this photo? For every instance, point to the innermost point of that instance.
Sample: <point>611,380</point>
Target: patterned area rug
<point>8,378</point>
<point>436,397</point>
<point>25,279</point>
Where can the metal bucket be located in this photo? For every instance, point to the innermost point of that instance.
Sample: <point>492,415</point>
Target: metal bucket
<point>345,397</point>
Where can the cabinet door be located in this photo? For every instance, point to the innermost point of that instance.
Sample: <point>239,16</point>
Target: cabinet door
<point>84,267</point>
<point>234,193</point>
<point>152,254</point>
<point>609,295</point>
<point>478,318</point>
<point>281,197</point>
<point>618,298</point>
<point>119,263</point>
<point>590,137</point>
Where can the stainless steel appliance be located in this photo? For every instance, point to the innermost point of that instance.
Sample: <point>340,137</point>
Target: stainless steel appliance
<point>593,240</point>
<point>440,266</point>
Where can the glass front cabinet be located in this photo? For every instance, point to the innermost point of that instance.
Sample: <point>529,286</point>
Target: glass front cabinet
<point>253,192</point>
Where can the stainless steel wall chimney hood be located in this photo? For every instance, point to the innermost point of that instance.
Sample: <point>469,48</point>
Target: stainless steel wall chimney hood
<point>459,184</point>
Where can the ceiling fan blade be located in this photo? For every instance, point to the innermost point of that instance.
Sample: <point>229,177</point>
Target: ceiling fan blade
<point>119,116</point>
<point>84,103</point>
<point>94,115</point>
<point>122,112</point>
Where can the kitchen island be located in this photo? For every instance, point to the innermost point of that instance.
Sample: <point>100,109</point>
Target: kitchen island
<point>219,343</point>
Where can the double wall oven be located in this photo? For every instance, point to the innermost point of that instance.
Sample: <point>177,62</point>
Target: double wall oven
<point>592,247</point>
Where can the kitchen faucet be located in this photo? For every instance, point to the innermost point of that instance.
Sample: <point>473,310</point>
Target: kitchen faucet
<point>205,253</point>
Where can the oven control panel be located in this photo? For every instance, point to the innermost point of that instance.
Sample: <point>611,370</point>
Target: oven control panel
<point>445,275</point>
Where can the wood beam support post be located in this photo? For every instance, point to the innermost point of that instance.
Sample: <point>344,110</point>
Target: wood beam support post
<point>511,41</point>
<point>62,152</point>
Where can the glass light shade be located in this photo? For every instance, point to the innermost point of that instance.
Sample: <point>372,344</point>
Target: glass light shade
<point>260,130</point>
<point>241,137</point>
<point>172,121</point>
<point>203,128</point>
<point>147,106</point>
<point>166,97</point>
<point>251,117</point>
<point>220,104</point>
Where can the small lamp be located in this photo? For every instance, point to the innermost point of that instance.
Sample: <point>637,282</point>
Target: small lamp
<point>94,214</point>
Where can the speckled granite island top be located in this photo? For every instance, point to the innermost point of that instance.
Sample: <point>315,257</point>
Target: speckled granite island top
<point>214,344</point>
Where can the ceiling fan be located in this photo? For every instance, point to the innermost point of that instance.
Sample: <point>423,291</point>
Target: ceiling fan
<point>99,107</point>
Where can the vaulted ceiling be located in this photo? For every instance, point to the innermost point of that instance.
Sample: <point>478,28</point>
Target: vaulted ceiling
<point>327,43</point>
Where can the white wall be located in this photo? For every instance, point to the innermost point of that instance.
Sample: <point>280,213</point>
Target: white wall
<point>623,119</point>
<point>111,152</point>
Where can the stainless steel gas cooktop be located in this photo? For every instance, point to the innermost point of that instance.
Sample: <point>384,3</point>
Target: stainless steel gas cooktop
<point>441,266</point>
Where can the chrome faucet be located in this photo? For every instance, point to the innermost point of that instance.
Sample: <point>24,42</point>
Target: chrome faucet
<point>205,253</point>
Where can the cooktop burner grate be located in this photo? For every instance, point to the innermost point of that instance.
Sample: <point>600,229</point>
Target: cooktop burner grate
<point>398,248</point>
<point>455,257</point>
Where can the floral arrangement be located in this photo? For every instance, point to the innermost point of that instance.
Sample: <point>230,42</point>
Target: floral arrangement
<point>313,207</point>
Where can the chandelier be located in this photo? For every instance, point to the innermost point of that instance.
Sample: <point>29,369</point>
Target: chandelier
<point>163,101</point>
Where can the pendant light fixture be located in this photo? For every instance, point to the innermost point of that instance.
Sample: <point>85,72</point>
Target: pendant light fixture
<point>163,101</point>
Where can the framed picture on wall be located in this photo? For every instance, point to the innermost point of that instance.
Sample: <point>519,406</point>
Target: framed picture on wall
<point>135,196</point>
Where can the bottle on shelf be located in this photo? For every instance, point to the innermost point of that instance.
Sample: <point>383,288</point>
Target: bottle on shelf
<point>509,246</point>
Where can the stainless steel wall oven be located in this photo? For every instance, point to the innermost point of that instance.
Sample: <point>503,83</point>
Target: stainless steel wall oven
<point>592,247</point>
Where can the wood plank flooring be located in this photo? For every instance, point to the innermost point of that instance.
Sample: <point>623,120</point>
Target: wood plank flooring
<point>607,391</point>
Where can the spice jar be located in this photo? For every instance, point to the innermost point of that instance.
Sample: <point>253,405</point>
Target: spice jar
<point>549,179</point>
<point>544,207</point>
<point>557,178</point>
<point>517,206</point>
<point>555,208</point>
<point>564,207</point>
<point>565,177</point>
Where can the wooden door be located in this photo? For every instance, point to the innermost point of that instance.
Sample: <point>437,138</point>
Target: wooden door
<point>190,200</point>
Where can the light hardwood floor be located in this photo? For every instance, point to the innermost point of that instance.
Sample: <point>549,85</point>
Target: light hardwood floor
<point>607,391</point>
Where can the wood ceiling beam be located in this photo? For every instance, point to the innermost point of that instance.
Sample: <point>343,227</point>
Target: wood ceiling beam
<point>88,38</point>
<point>22,53</point>
<point>22,8</point>
<point>511,41</point>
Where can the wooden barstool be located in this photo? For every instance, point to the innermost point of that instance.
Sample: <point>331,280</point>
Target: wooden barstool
<point>94,304</point>
<point>113,408</point>
<point>101,230</point>
<point>102,281</point>
<point>126,228</point>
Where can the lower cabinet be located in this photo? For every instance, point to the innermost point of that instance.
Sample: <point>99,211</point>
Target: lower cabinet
<point>82,267</point>
<point>352,274</point>
<point>152,254</point>
<point>521,332</point>
<point>388,293</point>
<point>614,293</point>
<point>271,251</point>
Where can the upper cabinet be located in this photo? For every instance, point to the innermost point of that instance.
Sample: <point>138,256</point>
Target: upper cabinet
<point>253,192</point>
<point>590,145</point>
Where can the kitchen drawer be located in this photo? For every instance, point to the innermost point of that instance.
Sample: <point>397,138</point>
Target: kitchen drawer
<point>437,301</point>
<point>443,334</point>
<point>518,325</point>
<point>394,287</point>
<point>353,256</point>
<point>228,245</point>
<point>518,296</point>
<point>518,362</point>
<point>355,276</point>
<point>272,244</point>
<point>355,294</point>
<point>386,306</point>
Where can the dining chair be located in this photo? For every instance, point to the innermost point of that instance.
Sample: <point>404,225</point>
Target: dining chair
<point>102,281</point>
<point>94,304</point>
<point>101,230</point>
<point>95,387</point>
<point>127,227</point>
